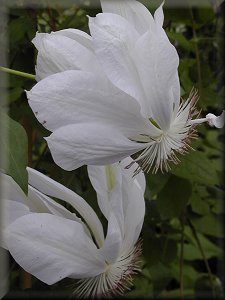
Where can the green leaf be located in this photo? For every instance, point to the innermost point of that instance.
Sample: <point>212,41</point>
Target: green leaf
<point>156,182</point>
<point>218,206</point>
<point>15,93</point>
<point>174,197</point>
<point>206,14</point>
<point>141,285</point>
<point>13,141</point>
<point>212,137</point>
<point>209,224</point>
<point>196,167</point>
<point>199,205</point>
<point>205,290</point>
<point>189,274</point>
<point>181,40</point>
<point>192,252</point>
<point>17,29</point>
<point>161,275</point>
<point>159,249</point>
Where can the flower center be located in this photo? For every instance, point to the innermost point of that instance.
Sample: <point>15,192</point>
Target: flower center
<point>116,279</point>
<point>163,148</point>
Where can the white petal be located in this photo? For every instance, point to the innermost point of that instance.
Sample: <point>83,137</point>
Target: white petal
<point>135,12</point>
<point>159,16</point>
<point>79,97</point>
<point>134,215</point>
<point>138,179</point>
<point>157,63</point>
<point>10,211</point>
<point>52,248</point>
<point>111,248</point>
<point>43,204</point>
<point>115,230</point>
<point>57,53</point>
<point>216,121</point>
<point>90,143</point>
<point>126,213</point>
<point>79,36</point>
<point>114,40</point>
<point>133,202</point>
<point>104,179</point>
<point>52,188</point>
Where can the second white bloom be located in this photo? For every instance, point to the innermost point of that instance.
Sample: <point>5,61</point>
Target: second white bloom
<point>52,243</point>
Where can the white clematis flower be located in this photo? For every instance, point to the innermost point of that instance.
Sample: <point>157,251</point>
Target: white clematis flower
<point>52,243</point>
<point>128,101</point>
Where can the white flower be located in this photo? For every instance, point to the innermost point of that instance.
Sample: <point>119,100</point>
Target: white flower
<point>52,243</point>
<point>126,101</point>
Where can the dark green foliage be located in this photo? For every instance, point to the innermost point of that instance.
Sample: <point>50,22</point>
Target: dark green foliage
<point>14,142</point>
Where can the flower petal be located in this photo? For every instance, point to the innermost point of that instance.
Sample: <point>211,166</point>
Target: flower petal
<point>159,15</point>
<point>133,202</point>
<point>114,40</point>
<point>111,248</point>
<point>135,12</point>
<point>12,210</point>
<point>78,35</point>
<point>115,231</point>
<point>104,179</point>
<point>157,63</point>
<point>134,215</point>
<point>90,143</point>
<point>78,97</point>
<point>52,248</point>
<point>38,202</point>
<point>138,179</point>
<point>58,52</point>
<point>52,188</point>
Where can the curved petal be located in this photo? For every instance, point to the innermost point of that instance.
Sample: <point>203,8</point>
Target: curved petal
<point>159,16</point>
<point>133,202</point>
<point>157,66</point>
<point>58,52</point>
<point>104,179</point>
<point>78,35</point>
<point>90,143</point>
<point>52,188</point>
<point>43,204</point>
<point>12,210</point>
<point>133,11</point>
<point>134,216</point>
<point>138,179</point>
<point>114,40</point>
<point>126,211</point>
<point>79,97</point>
<point>112,246</point>
<point>52,248</point>
<point>115,231</point>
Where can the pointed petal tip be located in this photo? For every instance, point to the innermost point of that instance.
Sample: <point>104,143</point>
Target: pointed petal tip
<point>159,15</point>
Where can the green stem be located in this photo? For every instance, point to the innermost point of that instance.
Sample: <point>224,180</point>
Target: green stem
<point>203,254</point>
<point>197,54</point>
<point>18,73</point>
<point>181,275</point>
